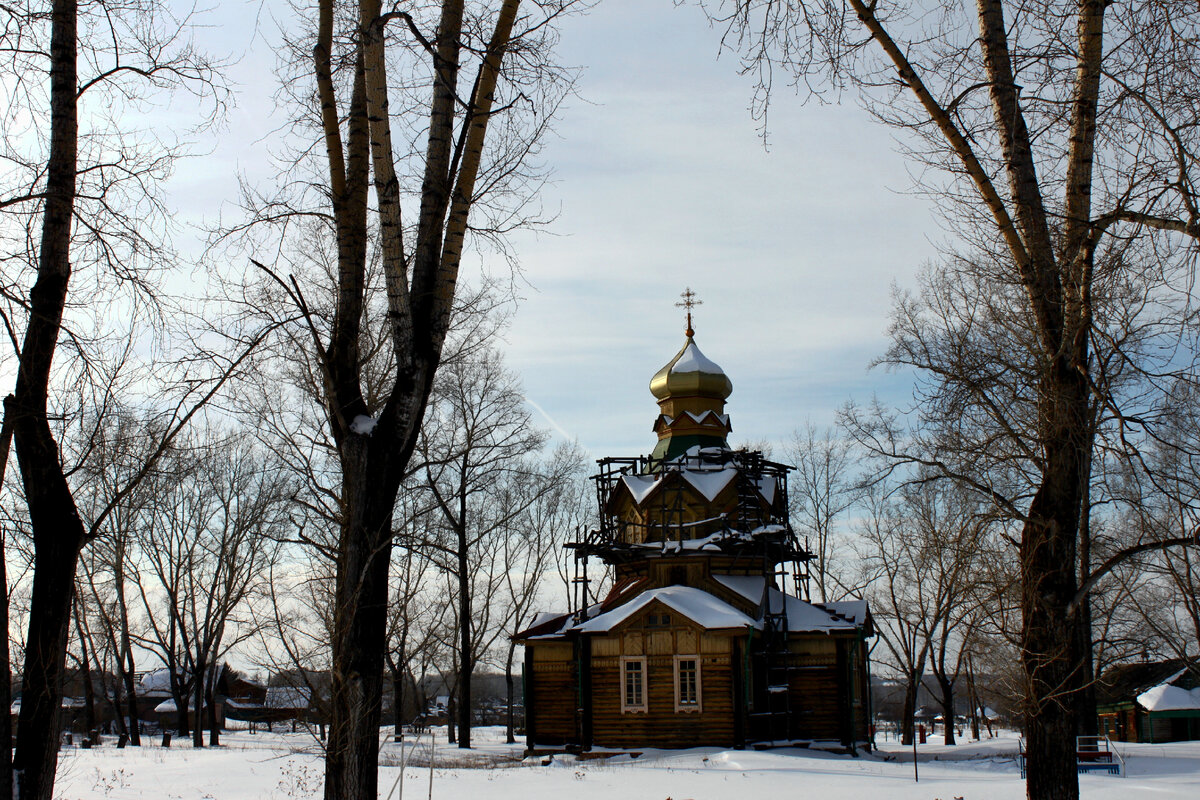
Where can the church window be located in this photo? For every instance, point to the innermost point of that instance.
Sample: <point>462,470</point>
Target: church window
<point>633,684</point>
<point>687,683</point>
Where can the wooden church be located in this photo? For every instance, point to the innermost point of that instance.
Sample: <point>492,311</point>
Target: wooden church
<point>706,637</point>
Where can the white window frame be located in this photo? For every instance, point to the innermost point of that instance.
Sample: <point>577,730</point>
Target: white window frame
<point>627,707</point>
<point>687,708</point>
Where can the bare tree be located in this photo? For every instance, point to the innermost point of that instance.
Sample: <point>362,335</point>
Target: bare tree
<point>1065,130</point>
<point>471,70</point>
<point>823,488</point>
<point>925,548</point>
<point>79,202</point>
<point>414,611</point>
<point>895,591</point>
<point>533,545</point>
<point>376,435</point>
<point>209,542</point>
<point>950,529</point>
<point>477,445</point>
<point>1162,588</point>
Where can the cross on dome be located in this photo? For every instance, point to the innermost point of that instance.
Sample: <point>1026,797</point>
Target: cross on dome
<point>689,302</point>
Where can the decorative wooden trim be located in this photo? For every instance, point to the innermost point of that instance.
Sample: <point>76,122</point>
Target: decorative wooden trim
<point>681,707</point>
<point>634,708</point>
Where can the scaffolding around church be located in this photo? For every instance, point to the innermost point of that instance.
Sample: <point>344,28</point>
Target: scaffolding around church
<point>752,529</point>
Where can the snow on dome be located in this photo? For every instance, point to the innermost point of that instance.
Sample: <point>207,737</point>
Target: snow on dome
<point>1165,697</point>
<point>692,360</point>
<point>691,374</point>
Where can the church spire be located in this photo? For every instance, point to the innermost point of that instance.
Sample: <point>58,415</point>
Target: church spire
<point>691,392</point>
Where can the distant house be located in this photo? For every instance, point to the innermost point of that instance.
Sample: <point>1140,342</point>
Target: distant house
<point>1155,701</point>
<point>153,689</point>
<point>274,704</point>
<point>157,703</point>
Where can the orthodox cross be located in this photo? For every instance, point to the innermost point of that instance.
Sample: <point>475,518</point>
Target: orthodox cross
<point>689,302</point>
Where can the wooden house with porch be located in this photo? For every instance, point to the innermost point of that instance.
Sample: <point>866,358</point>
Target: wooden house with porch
<point>1150,701</point>
<point>707,637</point>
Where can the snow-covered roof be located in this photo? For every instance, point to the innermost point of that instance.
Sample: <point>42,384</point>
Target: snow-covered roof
<point>158,680</point>
<point>1165,697</point>
<point>288,697</point>
<point>696,604</point>
<point>853,610</point>
<point>640,486</point>
<point>542,617</point>
<point>802,617</point>
<point>692,360</point>
<point>708,482</point>
<point>67,702</point>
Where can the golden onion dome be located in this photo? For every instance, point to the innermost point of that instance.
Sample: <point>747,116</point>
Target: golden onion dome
<point>690,374</point>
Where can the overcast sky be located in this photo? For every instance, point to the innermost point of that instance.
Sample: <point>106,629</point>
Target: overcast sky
<point>661,182</point>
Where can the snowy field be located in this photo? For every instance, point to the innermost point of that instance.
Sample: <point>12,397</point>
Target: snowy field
<point>276,766</point>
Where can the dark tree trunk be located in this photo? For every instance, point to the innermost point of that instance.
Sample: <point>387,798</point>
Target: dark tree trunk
<point>398,694</point>
<point>85,669</point>
<point>465,663</point>
<point>373,461</point>
<point>1050,638</point>
<point>126,667</point>
<point>214,719</point>
<point>947,702</point>
<point>972,698</point>
<point>510,733</point>
<point>1088,724</point>
<point>112,695</point>
<point>198,704</point>
<point>397,666</point>
<point>180,693</point>
<point>131,699</point>
<point>129,678</point>
<point>36,755</point>
<point>909,709</point>
<point>360,630</point>
<point>6,786</point>
<point>58,532</point>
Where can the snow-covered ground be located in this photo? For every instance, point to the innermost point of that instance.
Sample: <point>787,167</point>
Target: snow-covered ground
<point>275,766</point>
